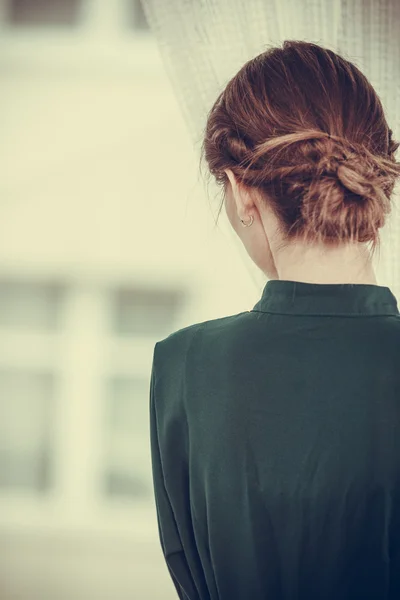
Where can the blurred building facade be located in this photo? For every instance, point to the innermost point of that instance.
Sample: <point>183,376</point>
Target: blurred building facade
<point>99,259</point>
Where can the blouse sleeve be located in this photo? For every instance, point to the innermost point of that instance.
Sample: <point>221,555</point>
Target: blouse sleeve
<point>170,540</point>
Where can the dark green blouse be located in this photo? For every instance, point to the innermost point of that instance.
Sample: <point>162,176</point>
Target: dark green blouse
<point>275,440</point>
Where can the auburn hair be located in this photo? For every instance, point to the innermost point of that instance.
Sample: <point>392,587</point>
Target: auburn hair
<point>306,128</point>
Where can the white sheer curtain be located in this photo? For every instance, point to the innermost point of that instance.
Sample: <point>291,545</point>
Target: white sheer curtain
<point>204,42</point>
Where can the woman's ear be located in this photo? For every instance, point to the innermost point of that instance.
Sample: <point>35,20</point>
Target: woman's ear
<point>240,196</point>
<point>232,180</point>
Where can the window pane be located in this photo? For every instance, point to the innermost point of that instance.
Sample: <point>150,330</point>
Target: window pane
<point>26,423</point>
<point>139,311</point>
<point>44,12</point>
<point>26,304</point>
<point>127,455</point>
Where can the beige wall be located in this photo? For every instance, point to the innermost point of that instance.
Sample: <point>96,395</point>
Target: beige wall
<point>99,188</point>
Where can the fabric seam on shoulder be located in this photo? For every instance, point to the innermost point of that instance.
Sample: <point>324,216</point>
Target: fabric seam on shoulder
<point>350,315</point>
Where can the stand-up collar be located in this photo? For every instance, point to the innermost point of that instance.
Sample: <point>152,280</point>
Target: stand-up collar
<point>296,298</point>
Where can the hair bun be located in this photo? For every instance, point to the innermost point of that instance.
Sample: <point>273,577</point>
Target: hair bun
<point>349,191</point>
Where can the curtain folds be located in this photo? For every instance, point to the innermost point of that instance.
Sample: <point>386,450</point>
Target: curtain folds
<point>203,43</point>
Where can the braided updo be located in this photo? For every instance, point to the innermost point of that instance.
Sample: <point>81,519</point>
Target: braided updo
<point>305,128</point>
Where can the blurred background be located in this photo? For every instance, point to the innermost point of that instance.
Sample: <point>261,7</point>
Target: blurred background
<point>107,244</point>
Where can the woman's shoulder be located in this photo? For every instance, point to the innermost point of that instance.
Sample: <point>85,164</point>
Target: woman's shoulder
<point>183,337</point>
